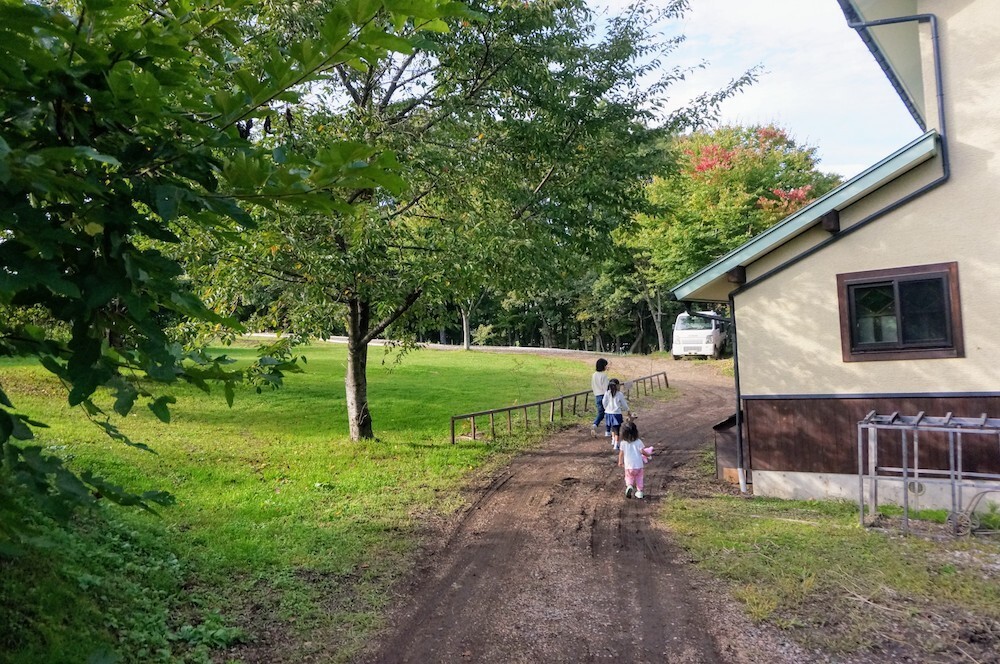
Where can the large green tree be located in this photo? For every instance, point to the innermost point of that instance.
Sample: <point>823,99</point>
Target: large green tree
<point>522,141</point>
<point>124,127</point>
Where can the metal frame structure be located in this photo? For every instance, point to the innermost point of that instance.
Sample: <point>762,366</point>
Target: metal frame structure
<point>910,428</point>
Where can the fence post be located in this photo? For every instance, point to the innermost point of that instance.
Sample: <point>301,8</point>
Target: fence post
<point>453,431</point>
<point>473,418</point>
<point>493,429</point>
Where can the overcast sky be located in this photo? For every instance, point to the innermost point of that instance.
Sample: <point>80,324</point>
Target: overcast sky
<point>819,81</point>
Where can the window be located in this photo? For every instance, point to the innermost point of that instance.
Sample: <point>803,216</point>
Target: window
<point>902,313</point>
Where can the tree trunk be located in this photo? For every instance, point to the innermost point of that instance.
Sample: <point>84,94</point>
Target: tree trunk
<point>359,418</point>
<point>442,339</point>
<point>657,313</point>
<point>636,346</point>
<point>466,331</point>
<point>547,339</point>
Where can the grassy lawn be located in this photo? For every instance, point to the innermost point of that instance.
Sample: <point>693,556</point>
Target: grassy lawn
<point>281,523</point>
<point>808,567</point>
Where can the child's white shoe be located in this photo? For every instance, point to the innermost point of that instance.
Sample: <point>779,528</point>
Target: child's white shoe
<point>638,494</point>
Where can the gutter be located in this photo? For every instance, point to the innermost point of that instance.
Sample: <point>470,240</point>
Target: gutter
<point>861,27</point>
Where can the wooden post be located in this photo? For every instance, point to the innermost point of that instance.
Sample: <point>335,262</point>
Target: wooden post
<point>493,429</point>
<point>510,423</point>
<point>552,411</point>
<point>473,418</point>
<point>453,431</point>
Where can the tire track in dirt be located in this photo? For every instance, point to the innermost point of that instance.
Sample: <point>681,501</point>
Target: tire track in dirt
<point>552,563</point>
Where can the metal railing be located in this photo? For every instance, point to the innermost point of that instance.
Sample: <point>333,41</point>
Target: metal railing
<point>646,383</point>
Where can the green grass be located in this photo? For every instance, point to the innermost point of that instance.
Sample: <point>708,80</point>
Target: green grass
<point>275,504</point>
<point>809,567</point>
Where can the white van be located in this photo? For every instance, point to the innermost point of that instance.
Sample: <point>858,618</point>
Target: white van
<point>694,335</point>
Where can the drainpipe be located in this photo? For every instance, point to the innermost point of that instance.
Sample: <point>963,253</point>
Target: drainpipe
<point>741,472</point>
<point>936,51</point>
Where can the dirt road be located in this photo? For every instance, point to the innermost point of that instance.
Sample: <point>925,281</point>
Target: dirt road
<point>551,563</point>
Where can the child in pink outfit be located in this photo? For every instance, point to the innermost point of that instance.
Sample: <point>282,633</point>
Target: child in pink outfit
<point>630,456</point>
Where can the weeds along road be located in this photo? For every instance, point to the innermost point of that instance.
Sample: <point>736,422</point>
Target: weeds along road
<point>551,563</point>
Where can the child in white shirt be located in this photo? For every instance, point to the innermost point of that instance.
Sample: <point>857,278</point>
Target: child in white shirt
<point>615,409</point>
<point>631,457</point>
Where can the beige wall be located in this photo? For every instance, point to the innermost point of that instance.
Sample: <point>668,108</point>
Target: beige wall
<point>789,325</point>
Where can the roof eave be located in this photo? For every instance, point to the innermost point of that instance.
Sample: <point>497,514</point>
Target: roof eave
<point>853,17</point>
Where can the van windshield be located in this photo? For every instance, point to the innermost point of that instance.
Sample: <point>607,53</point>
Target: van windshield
<point>693,323</point>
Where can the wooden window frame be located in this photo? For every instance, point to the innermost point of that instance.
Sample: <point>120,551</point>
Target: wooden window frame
<point>948,271</point>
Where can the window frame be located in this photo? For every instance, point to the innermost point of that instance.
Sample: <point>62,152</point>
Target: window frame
<point>953,312</point>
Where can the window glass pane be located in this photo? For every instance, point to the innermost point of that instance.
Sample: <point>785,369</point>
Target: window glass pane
<point>923,307</point>
<point>874,314</point>
<point>693,323</point>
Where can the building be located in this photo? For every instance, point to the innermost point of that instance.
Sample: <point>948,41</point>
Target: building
<point>884,294</point>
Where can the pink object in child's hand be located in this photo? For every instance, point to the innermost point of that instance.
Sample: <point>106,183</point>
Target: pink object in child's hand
<point>648,451</point>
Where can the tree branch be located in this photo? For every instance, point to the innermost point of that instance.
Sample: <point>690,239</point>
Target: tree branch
<point>393,316</point>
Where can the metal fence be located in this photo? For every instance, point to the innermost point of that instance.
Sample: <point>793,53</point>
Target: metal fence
<point>644,385</point>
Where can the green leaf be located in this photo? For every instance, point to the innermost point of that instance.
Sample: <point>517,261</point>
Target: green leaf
<point>160,408</point>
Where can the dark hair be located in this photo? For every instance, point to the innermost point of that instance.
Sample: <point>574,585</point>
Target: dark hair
<point>629,431</point>
<point>602,364</point>
<point>613,385</point>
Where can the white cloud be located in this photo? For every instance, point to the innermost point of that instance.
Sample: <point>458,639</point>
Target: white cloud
<point>818,80</point>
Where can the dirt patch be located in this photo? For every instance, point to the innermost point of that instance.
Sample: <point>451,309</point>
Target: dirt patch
<point>552,563</point>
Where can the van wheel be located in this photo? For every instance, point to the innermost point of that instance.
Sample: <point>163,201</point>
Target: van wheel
<point>677,357</point>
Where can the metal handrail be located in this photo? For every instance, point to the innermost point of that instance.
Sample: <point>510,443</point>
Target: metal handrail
<point>645,382</point>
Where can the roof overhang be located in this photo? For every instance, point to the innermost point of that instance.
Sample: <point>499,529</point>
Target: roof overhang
<point>896,47</point>
<point>708,284</point>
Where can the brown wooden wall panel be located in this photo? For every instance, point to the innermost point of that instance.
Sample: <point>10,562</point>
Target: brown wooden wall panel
<point>821,435</point>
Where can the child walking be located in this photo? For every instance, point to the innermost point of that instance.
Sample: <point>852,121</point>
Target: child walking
<point>599,383</point>
<point>631,457</point>
<point>615,408</point>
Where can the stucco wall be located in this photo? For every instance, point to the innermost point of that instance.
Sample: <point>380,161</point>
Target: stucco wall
<point>789,325</point>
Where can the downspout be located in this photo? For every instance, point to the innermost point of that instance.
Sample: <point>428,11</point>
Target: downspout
<point>741,471</point>
<point>938,83</point>
<point>945,175</point>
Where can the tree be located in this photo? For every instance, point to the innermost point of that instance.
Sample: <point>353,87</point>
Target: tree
<point>124,128</point>
<point>726,186</point>
<point>521,141</point>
